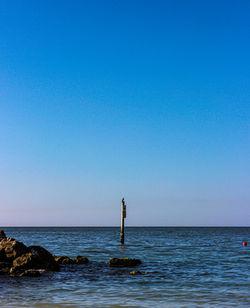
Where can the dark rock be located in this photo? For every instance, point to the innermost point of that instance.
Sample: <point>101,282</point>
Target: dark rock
<point>63,260</point>
<point>18,272</point>
<point>4,271</point>
<point>3,257</point>
<point>26,261</point>
<point>46,259</point>
<point>2,235</point>
<point>4,268</point>
<point>4,264</point>
<point>135,273</point>
<point>30,261</point>
<point>11,249</point>
<point>37,258</point>
<point>30,273</point>
<point>81,260</point>
<point>124,262</point>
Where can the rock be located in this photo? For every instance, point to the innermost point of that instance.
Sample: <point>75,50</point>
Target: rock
<point>4,268</point>
<point>11,249</point>
<point>81,260</point>
<point>33,260</point>
<point>3,257</point>
<point>4,264</point>
<point>18,272</point>
<point>63,260</point>
<point>26,261</point>
<point>46,259</point>
<point>37,258</point>
<point>135,273</point>
<point>30,273</point>
<point>17,259</point>
<point>124,262</point>
<point>4,271</point>
<point>2,235</point>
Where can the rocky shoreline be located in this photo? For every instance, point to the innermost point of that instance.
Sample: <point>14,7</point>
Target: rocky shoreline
<point>17,259</point>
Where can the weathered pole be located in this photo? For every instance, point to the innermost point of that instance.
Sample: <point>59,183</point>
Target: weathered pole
<point>123,215</point>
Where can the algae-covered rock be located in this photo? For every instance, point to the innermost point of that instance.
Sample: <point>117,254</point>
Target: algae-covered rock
<point>63,260</point>
<point>124,262</point>
<point>81,260</point>
<point>37,258</point>
<point>135,273</point>
<point>26,261</point>
<point>11,249</point>
<point>15,272</point>
<point>17,259</point>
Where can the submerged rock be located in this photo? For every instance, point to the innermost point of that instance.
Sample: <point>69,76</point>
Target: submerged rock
<point>124,262</point>
<point>135,273</point>
<point>63,260</point>
<point>81,260</point>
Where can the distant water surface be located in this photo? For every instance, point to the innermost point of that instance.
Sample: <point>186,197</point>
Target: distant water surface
<point>184,267</point>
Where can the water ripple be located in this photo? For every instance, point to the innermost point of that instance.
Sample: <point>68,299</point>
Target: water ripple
<point>183,267</point>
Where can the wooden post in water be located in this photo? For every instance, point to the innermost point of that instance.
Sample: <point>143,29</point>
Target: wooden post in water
<point>123,215</point>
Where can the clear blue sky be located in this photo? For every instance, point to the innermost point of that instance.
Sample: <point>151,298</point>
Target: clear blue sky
<point>143,99</point>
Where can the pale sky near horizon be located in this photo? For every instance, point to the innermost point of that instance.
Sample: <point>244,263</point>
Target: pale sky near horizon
<point>147,100</point>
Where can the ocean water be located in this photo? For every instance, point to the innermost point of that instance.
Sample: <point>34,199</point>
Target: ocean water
<point>184,267</point>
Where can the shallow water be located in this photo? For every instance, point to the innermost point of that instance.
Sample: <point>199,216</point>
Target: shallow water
<point>184,267</point>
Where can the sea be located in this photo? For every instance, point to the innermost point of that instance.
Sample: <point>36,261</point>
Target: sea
<point>181,267</point>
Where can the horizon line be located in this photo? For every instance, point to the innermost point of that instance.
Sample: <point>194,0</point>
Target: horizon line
<point>160,226</point>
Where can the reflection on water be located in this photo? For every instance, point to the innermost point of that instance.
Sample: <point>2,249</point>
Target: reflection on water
<point>183,267</point>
